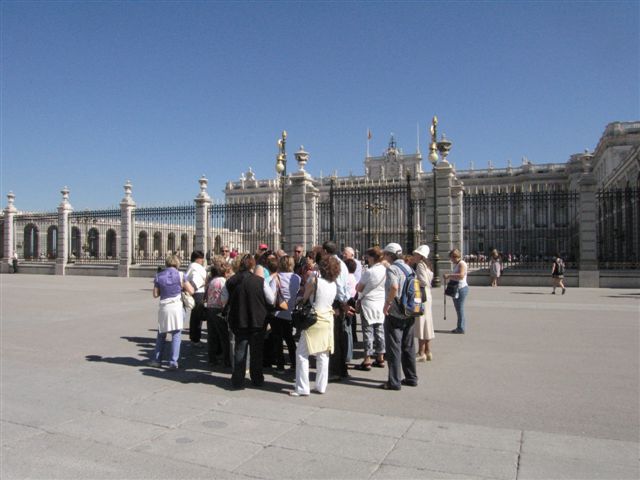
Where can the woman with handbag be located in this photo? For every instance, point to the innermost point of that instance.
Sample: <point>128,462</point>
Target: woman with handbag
<point>371,298</point>
<point>168,285</point>
<point>458,274</point>
<point>424,324</point>
<point>318,338</point>
<point>285,285</point>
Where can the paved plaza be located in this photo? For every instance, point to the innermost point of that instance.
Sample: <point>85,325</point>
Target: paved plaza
<point>540,387</point>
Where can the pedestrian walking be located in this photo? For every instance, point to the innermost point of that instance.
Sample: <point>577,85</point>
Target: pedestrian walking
<point>557,274</point>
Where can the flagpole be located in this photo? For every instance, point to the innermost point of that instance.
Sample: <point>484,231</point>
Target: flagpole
<point>368,138</point>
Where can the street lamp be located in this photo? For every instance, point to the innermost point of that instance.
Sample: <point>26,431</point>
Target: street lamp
<point>281,170</point>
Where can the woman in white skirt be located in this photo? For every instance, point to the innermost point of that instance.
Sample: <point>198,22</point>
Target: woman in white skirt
<point>168,285</point>
<point>318,339</point>
<point>424,324</point>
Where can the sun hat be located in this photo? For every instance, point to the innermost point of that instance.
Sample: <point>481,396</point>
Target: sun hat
<point>422,250</point>
<point>393,248</point>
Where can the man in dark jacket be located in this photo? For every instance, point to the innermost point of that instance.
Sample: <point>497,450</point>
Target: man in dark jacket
<point>249,296</point>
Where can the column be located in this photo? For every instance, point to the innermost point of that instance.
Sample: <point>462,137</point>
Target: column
<point>64,235</point>
<point>588,275</point>
<point>446,233</point>
<point>9,236</point>
<point>202,219</point>
<point>127,207</point>
<point>300,211</point>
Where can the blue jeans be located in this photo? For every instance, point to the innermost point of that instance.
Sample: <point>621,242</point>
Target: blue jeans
<point>175,346</point>
<point>458,302</point>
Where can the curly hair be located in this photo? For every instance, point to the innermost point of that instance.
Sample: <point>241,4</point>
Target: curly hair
<point>329,267</point>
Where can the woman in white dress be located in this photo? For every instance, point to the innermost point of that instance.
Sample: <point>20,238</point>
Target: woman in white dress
<point>318,339</point>
<point>371,295</point>
<point>424,324</point>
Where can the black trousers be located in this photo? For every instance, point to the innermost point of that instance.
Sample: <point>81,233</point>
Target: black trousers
<point>218,336</point>
<point>243,341</point>
<point>198,314</point>
<point>282,330</point>
<point>400,350</point>
<point>338,359</point>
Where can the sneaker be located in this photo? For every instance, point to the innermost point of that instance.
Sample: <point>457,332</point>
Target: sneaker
<point>154,364</point>
<point>173,366</point>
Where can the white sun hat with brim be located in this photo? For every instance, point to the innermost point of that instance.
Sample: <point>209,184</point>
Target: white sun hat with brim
<point>422,250</point>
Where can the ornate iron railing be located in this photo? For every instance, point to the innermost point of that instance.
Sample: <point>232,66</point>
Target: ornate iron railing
<point>36,236</point>
<point>94,236</point>
<point>618,228</point>
<point>527,229</point>
<point>244,226</point>
<point>159,231</point>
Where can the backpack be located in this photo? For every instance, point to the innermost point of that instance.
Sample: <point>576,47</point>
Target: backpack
<point>560,268</point>
<point>413,296</point>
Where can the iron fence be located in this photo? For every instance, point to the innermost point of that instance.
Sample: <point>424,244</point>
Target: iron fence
<point>36,236</point>
<point>527,229</point>
<point>243,226</point>
<point>94,236</point>
<point>367,215</point>
<point>159,231</point>
<point>618,230</point>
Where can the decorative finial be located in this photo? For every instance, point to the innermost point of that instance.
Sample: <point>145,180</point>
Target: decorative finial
<point>302,157</point>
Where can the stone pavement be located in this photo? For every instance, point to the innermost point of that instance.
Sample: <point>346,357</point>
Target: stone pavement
<point>540,387</point>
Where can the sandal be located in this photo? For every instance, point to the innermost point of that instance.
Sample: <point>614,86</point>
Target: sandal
<point>378,364</point>
<point>364,366</point>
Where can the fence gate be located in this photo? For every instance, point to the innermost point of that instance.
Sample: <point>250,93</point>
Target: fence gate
<point>527,229</point>
<point>367,215</point>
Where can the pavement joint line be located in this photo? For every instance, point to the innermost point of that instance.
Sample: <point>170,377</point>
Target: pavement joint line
<point>519,454</point>
<point>393,447</point>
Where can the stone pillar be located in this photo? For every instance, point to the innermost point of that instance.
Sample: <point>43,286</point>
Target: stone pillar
<point>588,275</point>
<point>202,218</point>
<point>446,229</point>
<point>300,211</point>
<point>127,207</point>
<point>64,235</point>
<point>457,217</point>
<point>9,236</point>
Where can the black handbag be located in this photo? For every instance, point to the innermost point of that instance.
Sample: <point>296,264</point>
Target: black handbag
<point>452,288</point>
<point>303,314</point>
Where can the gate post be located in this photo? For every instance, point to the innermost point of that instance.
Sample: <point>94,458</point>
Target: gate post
<point>127,206</point>
<point>9,236</point>
<point>64,209</point>
<point>301,208</point>
<point>444,176</point>
<point>202,221</point>
<point>588,274</point>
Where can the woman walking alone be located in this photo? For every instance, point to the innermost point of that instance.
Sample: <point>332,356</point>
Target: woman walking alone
<point>424,324</point>
<point>168,285</point>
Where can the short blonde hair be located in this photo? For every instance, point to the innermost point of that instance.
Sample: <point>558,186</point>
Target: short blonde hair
<point>455,253</point>
<point>285,264</point>
<point>172,260</point>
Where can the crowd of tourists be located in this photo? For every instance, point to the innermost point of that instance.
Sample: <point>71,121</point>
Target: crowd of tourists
<point>248,302</point>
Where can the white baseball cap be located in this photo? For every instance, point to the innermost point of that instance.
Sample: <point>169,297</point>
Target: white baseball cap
<point>393,248</point>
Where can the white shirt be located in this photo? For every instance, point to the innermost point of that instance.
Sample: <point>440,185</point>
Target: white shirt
<point>197,274</point>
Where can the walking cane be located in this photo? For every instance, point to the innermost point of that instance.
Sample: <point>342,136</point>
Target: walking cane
<point>445,304</point>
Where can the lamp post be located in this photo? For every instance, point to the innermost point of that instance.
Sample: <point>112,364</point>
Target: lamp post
<point>281,170</point>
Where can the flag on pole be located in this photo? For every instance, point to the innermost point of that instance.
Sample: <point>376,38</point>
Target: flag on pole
<point>368,134</point>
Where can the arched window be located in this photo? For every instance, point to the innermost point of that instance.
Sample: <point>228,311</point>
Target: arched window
<point>93,238</point>
<point>171,242</point>
<point>52,242</point>
<point>76,242</point>
<point>157,245</point>
<point>184,246</point>
<point>31,237</point>
<point>112,249</point>
<point>143,245</point>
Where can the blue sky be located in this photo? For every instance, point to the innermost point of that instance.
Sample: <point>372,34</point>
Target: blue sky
<point>96,93</point>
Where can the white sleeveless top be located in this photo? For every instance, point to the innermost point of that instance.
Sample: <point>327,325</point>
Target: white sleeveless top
<point>456,269</point>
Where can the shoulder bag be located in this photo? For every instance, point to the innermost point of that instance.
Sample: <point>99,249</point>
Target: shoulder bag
<point>304,315</point>
<point>452,288</point>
